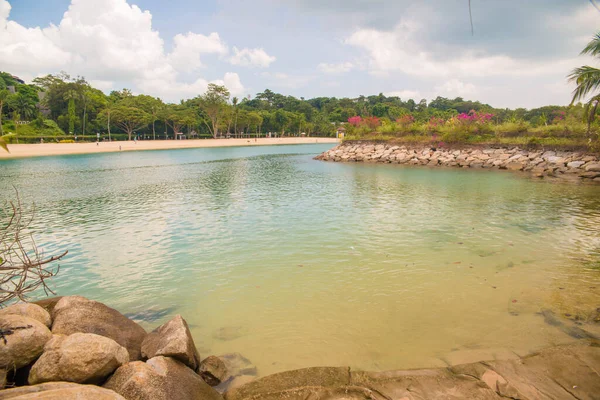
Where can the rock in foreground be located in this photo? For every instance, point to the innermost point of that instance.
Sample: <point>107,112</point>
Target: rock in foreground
<point>23,340</point>
<point>172,339</point>
<point>567,372</point>
<point>59,391</point>
<point>80,358</point>
<point>160,378</point>
<point>212,370</point>
<point>74,314</point>
<point>28,310</point>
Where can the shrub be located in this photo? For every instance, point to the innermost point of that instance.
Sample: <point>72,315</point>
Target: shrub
<point>66,141</point>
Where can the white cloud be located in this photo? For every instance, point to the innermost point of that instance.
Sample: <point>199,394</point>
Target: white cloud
<point>188,48</point>
<point>336,68</point>
<point>110,41</point>
<point>404,94</point>
<point>405,49</point>
<point>251,58</point>
<point>456,87</point>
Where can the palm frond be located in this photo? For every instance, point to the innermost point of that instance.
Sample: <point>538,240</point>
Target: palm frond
<point>587,79</point>
<point>3,143</point>
<point>593,47</point>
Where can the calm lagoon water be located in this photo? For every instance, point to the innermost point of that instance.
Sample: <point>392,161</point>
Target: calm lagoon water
<point>295,263</point>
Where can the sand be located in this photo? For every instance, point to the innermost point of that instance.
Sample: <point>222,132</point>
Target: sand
<point>54,149</point>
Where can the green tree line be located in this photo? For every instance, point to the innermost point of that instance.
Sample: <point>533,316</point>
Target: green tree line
<point>60,105</point>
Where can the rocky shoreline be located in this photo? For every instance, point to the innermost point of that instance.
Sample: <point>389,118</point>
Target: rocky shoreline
<point>74,348</point>
<point>69,348</point>
<point>553,164</point>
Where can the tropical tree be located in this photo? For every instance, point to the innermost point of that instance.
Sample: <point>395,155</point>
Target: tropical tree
<point>234,102</point>
<point>213,103</point>
<point>70,95</point>
<point>130,119</point>
<point>177,116</point>
<point>4,93</point>
<point>588,81</point>
<point>22,104</point>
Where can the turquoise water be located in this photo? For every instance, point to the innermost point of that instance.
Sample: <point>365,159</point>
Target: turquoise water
<point>295,262</point>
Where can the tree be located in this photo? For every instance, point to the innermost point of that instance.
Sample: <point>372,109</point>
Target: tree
<point>213,103</point>
<point>234,101</point>
<point>3,97</point>
<point>70,95</point>
<point>22,104</point>
<point>177,116</point>
<point>152,105</point>
<point>588,80</point>
<point>130,119</point>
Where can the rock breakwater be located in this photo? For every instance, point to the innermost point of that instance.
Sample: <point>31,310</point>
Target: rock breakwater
<point>538,163</point>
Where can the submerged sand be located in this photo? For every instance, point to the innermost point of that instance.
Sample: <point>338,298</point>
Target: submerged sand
<point>55,149</point>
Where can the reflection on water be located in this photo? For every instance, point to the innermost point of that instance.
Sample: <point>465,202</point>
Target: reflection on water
<point>294,262</point>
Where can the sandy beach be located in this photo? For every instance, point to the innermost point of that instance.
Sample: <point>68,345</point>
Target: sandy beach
<point>55,149</point>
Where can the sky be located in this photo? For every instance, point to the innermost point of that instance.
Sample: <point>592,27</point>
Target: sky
<point>519,54</point>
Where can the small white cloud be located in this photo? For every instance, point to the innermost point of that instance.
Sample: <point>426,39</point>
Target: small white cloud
<point>456,88</point>
<point>336,68</point>
<point>404,94</point>
<point>251,58</point>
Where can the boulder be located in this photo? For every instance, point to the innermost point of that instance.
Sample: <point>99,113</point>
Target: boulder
<point>284,384</point>
<point>575,164</point>
<point>236,365</point>
<point>28,310</point>
<point>593,168</point>
<point>49,303</point>
<point>160,378</point>
<point>515,166</point>
<point>74,314</point>
<point>172,339</point>
<point>80,358</point>
<point>212,370</point>
<point>59,391</point>
<point>590,175</point>
<point>22,340</point>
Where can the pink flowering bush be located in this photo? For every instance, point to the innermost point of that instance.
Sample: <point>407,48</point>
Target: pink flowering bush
<point>559,116</point>
<point>405,120</point>
<point>474,117</point>
<point>371,122</point>
<point>355,121</point>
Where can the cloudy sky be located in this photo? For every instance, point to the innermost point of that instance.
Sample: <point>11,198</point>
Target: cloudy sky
<point>519,54</point>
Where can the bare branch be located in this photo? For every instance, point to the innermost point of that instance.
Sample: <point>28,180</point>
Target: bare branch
<point>23,267</point>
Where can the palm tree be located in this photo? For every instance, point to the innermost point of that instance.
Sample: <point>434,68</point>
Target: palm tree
<point>588,81</point>
<point>22,104</point>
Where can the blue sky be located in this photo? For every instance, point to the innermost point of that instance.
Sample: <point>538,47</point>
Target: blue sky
<point>519,55</point>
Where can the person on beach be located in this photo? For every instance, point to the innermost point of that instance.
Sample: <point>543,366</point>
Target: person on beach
<point>119,147</point>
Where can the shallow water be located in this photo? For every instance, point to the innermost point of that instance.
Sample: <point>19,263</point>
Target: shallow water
<point>295,263</point>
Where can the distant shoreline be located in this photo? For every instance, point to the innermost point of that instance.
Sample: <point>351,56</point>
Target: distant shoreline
<point>57,149</point>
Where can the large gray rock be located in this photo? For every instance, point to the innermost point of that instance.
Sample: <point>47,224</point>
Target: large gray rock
<point>212,370</point>
<point>28,310</point>
<point>74,314</point>
<point>172,339</point>
<point>22,340</point>
<point>160,378</point>
<point>59,391</point>
<point>80,358</point>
